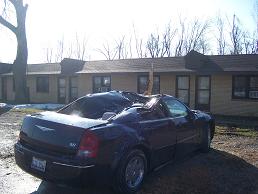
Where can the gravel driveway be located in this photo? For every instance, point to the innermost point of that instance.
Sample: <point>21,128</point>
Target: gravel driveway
<point>230,167</point>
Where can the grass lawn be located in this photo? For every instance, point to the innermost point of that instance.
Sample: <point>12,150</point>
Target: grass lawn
<point>238,131</point>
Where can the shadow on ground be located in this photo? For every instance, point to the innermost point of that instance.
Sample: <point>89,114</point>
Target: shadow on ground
<point>215,172</point>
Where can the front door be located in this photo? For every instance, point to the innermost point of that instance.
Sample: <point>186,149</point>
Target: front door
<point>203,91</point>
<point>61,90</point>
<point>159,133</point>
<point>186,132</point>
<point>4,89</point>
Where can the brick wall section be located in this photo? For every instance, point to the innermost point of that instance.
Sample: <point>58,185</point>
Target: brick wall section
<point>221,99</point>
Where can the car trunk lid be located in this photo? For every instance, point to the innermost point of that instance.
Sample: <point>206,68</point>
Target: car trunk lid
<point>56,132</point>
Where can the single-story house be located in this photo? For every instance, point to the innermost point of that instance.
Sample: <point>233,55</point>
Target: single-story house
<point>221,84</point>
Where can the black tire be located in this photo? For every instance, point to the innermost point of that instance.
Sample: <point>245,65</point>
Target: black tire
<point>206,140</point>
<point>121,185</point>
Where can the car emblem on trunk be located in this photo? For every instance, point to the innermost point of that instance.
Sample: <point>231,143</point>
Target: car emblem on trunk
<point>44,128</point>
<point>72,145</point>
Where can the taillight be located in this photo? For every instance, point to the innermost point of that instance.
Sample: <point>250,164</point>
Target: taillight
<point>89,145</point>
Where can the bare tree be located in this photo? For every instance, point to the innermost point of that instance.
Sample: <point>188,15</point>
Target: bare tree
<point>168,36</point>
<point>139,45</point>
<point>60,50</point>
<point>236,35</point>
<point>130,48</point>
<point>156,46</point>
<point>76,49</point>
<point>20,63</point>
<point>69,51</point>
<point>181,38</point>
<point>195,35</point>
<point>220,36</point>
<point>80,48</point>
<point>49,55</point>
<point>153,46</point>
<point>255,34</point>
<point>120,48</point>
<point>249,44</point>
<point>204,46</point>
<point>108,52</point>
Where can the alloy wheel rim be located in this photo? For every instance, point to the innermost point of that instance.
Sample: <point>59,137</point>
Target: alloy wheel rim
<point>134,172</point>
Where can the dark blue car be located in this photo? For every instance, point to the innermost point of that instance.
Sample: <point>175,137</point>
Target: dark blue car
<point>111,138</point>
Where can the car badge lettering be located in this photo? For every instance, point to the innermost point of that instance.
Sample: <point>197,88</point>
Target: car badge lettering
<point>44,128</point>
<point>72,145</point>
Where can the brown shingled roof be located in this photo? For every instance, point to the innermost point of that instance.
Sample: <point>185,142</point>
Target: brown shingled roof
<point>166,64</point>
<point>5,68</point>
<point>42,69</point>
<point>236,63</point>
<point>51,68</point>
<point>193,62</point>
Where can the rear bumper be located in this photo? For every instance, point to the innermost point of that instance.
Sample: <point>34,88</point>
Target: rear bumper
<point>59,170</point>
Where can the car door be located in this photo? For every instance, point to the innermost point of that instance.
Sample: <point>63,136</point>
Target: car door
<point>183,121</point>
<point>156,126</point>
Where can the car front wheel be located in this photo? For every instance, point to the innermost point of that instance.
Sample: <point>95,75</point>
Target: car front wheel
<point>131,172</point>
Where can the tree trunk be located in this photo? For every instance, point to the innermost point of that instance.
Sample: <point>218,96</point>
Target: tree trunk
<point>20,63</point>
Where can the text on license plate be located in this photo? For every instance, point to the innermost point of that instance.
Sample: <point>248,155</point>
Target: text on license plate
<point>38,164</point>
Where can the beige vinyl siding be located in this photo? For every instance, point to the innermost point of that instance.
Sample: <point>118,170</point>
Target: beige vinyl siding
<point>119,81</point>
<point>10,92</point>
<point>42,97</point>
<point>1,88</point>
<point>192,91</point>
<point>124,82</point>
<point>85,84</point>
<point>221,99</point>
<point>168,84</point>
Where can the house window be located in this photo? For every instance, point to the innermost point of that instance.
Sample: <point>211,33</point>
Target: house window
<point>245,87</point>
<point>43,84</point>
<point>143,82</point>
<point>101,84</point>
<point>183,88</point>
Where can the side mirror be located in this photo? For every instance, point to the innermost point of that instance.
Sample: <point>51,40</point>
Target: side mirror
<point>192,115</point>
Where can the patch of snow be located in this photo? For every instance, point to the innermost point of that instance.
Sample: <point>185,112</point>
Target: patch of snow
<point>4,105</point>
<point>47,106</point>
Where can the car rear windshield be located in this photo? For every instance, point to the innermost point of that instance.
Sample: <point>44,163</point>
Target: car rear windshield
<point>94,107</point>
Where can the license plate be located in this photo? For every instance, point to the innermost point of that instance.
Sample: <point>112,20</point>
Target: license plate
<point>38,164</point>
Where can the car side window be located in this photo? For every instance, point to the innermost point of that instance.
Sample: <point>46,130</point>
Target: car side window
<point>155,113</point>
<point>176,108</point>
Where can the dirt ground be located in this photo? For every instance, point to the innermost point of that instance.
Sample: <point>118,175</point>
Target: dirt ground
<point>231,167</point>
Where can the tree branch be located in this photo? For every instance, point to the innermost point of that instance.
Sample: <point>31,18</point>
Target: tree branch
<point>7,25</point>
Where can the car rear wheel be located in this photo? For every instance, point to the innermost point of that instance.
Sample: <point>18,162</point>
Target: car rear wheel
<point>131,172</point>
<point>206,140</point>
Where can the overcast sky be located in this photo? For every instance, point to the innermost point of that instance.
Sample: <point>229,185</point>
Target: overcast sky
<point>103,20</point>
